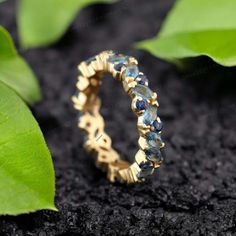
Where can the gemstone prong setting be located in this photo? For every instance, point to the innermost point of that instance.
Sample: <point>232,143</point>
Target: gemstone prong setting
<point>143,103</point>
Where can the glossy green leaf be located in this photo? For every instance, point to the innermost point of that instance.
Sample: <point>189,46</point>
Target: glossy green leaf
<point>44,22</point>
<point>27,179</point>
<point>15,72</point>
<point>197,28</point>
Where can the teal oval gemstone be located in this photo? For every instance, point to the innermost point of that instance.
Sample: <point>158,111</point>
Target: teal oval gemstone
<point>154,155</point>
<point>145,173</point>
<point>132,71</point>
<point>119,59</point>
<point>154,140</point>
<point>146,169</point>
<point>142,91</point>
<point>91,59</point>
<point>85,139</point>
<point>150,115</point>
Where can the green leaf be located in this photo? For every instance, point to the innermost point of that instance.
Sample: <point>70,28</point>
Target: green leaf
<point>27,179</point>
<point>44,22</point>
<point>15,72</point>
<point>197,28</point>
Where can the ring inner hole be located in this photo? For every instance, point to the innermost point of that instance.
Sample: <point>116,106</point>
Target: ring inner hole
<point>120,122</point>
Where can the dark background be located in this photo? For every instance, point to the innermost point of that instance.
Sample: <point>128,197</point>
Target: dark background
<point>194,191</point>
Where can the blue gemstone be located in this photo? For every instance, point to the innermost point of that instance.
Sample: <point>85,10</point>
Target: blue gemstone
<point>132,71</point>
<point>150,152</point>
<point>146,165</point>
<point>142,91</point>
<point>118,59</point>
<point>154,155</point>
<point>90,60</point>
<point>150,115</point>
<point>142,79</point>
<point>154,139</point>
<point>77,94</point>
<point>145,173</point>
<point>146,169</point>
<point>118,67</point>
<point>85,139</point>
<point>158,125</point>
<point>141,105</point>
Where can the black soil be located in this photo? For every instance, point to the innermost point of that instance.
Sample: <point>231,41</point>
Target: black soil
<point>193,193</point>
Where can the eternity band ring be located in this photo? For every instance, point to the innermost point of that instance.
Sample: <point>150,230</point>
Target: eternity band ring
<point>143,103</point>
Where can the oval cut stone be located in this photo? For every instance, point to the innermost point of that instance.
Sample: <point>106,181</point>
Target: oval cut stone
<point>85,139</point>
<point>119,59</point>
<point>150,115</point>
<point>150,152</point>
<point>77,94</point>
<point>146,169</point>
<point>142,91</point>
<point>154,140</point>
<point>154,155</point>
<point>132,71</point>
<point>90,60</point>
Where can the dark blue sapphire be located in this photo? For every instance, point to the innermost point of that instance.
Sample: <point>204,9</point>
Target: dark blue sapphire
<point>141,104</point>
<point>142,79</point>
<point>146,165</point>
<point>158,125</point>
<point>118,67</point>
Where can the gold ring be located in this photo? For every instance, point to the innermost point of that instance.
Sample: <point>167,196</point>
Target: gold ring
<point>144,104</point>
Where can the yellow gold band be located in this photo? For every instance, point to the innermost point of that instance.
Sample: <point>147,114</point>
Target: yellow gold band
<point>144,104</point>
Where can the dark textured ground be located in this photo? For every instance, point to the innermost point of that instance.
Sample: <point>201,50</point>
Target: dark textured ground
<point>193,193</point>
